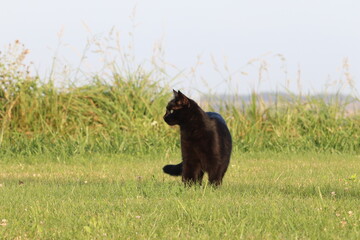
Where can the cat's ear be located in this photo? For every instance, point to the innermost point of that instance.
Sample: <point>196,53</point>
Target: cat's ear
<point>175,94</point>
<point>183,99</point>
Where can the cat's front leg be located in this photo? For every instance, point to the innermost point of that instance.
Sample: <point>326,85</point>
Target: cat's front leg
<point>192,173</point>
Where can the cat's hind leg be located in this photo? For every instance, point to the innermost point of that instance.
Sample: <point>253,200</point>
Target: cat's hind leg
<point>200,176</point>
<point>216,176</point>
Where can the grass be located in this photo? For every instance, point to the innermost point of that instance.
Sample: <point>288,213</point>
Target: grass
<point>120,112</point>
<point>83,161</point>
<point>264,196</point>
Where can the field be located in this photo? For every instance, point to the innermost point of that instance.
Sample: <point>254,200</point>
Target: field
<point>264,196</point>
<point>83,161</point>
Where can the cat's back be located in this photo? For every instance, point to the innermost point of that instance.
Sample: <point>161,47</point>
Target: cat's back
<point>222,128</point>
<point>224,136</point>
<point>217,117</point>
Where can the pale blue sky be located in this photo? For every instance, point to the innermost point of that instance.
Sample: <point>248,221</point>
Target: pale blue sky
<point>314,36</point>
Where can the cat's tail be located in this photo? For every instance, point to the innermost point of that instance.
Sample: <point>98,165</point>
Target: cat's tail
<point>173,170</point>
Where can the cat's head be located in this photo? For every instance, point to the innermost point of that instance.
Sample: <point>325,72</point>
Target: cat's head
<point>177,108</point>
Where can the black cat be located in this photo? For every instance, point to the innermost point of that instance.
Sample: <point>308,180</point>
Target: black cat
<point>205,141</point>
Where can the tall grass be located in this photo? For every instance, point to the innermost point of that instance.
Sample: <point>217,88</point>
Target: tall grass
<point>121,112</point>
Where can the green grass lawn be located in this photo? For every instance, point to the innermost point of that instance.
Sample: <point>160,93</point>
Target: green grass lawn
<point>264,196</point>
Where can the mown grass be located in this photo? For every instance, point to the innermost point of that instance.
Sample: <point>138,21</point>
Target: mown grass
<point>264,196</point>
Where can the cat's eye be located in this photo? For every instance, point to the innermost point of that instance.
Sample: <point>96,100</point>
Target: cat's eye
<point>171,111</point>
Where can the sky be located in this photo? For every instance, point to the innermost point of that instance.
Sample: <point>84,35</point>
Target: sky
<point>307,46</point>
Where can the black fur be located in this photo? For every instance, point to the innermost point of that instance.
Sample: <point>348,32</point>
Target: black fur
<point>205,141</point>
<point>173,170</point>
